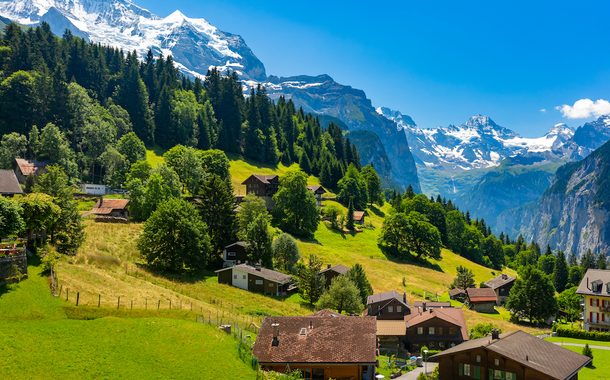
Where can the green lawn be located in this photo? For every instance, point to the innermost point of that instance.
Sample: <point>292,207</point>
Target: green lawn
<point>37,340</point>
<point>579,341</point>
<point>601,365</point>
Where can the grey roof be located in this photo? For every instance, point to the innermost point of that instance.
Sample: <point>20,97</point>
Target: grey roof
<point>431,304</point>
<point>530,351</point>
<point>341,269</point>
<point>266,179</point>
<point>591,276</point>
<point>238,243</point>
<point>499,281</point>
<point>265,273</point>
<point>387,296</point>
<point>8,183</point>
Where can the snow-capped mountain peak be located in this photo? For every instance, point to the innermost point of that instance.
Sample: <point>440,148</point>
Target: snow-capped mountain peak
<point>195,44</point>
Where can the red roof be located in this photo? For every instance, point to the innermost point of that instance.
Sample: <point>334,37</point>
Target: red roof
<point>452,315</point>
<point>358,215</point>
<point>106,206</point>
<point>476,295</point>
<point>28,167</point>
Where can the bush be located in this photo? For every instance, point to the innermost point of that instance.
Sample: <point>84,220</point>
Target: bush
<point>567,332</point>
<point>588,352</point>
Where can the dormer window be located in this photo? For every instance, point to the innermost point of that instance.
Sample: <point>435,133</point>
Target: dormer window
<point>596,286</point>
<point>608,287</point>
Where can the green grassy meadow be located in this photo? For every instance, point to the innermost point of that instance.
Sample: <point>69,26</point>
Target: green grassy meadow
<point>38,340</point>
<point>601,364</point>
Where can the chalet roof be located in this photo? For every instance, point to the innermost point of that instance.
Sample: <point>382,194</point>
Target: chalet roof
<point>317,189</point>
<point>387,296</point>
<point>28,167</point>
<point>591,276</point>
<point>266,179</point>
<point>317,339</point>
<point>389,327</point>
<point>105,206</point>
<point>267,274</point>
<point>456,291</point>
<point>500,281</point>
<point>481,295</point>
<point>358,215</point>
<point>341,269</point>
<point>528,350</point>
<point>242,244</point>
<point>8,183</point>
<point>431,304</point>
<point>449,314</point>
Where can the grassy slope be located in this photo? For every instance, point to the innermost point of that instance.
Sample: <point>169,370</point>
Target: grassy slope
<point>37,340</point>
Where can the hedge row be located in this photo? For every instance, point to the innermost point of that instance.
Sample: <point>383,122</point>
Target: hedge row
<point>567,332</point>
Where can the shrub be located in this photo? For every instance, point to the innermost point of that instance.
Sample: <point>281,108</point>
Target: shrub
<point>567,332</point>
<point>586,350</point>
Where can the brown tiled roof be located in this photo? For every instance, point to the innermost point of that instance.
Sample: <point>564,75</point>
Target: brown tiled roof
<point>448,314</point>
<point>358,215</point>
<point>387,296</point>
<point>29,167</point>
<point>456,291</point>
<point>499,281</point>
<point>318,339</point>
<point>317,189</point>
<point>594,275</point>
<point>431,304</point>
<point>8,183</point>
<point>262,178</point>
<point>481,295</point>
<point>327,313</point>
<point>391,327</point>
<point>265,273</point>
<point>532,352</point>
<point>341,269</point>
<point>112,204</point>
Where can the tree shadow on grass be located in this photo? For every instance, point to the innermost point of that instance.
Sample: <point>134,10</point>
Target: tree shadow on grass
<point>377,211</point>
<point>189,277</point>
<point>409,259</point>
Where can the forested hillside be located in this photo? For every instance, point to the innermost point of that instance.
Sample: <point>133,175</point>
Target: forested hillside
<point>75,104</point>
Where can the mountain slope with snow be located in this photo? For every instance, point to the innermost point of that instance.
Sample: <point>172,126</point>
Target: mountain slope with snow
<point>195,44</point>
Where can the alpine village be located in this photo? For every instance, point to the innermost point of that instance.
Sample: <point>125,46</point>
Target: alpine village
<point>167,210</point>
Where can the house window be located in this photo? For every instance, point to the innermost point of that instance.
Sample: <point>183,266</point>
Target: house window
<point>431,330</point>
<point>464,369</point>
<point>451,330</point>
<point>440,331</point>
<point>390,309</point>
<point>420,331</point>
<point>497,374</point>
<point>231,254</point>
<point>398,309</point>
<point>496,362</point>
<point>271,285</point>
<point>243,277</point>
<point>478,358</point>
<point>258,282</point>
<point>235,277</point>
<point>510,376</point>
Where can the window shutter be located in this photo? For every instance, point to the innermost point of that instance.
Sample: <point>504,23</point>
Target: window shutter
<point>477,372</point>
<point>590,301</point>
<point>603,317</point>
<point>461,369</point>
<point>491,374</point>
<point>590,316</point>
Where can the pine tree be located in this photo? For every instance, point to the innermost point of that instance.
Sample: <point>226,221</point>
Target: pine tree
<point>350,217</point>
<point>560,275</point>
<point>588,261</point>
<point>602,260</point>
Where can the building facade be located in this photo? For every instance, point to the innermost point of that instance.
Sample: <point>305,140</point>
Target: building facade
<point>595,289</point>
<point>255,279</point>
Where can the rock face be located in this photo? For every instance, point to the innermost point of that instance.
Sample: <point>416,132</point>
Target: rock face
<point>322,95</point>
<point>573,214</point>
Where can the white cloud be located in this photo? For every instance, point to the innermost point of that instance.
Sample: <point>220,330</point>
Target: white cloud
<point>543,110</point>
<point>585,108</point>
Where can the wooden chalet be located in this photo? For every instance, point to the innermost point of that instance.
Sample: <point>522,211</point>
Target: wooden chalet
<point>255,279</point>
<point>262,185</point>
<point>9,185</point>
<point>482,300</point>
<point>27,168</point>
<point>111,210</point>
<point>457,294</point>
<point>437,328</point>
<point>333,271</point>
<point>317,191</point>
<point>359,217</point>
<point>388,305</point>
<point>512,356</point>
<point>321,346</point>
<point>501,285</point>
<point>236,253</point>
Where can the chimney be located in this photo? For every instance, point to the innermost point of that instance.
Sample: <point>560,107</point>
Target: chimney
<point>423,304</point>
<point>328,266</point>
<point>504,276</point>
<point>495,334</point>
<point>257,267</point>
<point>311,325</point>
<point>404,297</point>
<point>276,334</point>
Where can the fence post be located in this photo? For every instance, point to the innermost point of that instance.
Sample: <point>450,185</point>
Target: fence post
<point>99,300</point>
<point>180,304</point>
<point>77,297</point>
<point>61,288</point>
<point>158,305</point>
<point>145,303</point>
<point>170,304</point>
<point>191,305</point>
<point>131,307</point>
<point>118,303</point>
<point>67,294</point>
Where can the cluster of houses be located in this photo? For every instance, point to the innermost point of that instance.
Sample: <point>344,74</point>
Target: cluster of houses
<point>485,299</point>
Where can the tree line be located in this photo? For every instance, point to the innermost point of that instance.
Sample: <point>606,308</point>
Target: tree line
<point>90,96</point>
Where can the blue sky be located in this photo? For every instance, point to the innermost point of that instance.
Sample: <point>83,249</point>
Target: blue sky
<point>439,62</point>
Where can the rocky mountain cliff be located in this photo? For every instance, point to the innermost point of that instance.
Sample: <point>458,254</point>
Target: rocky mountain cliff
<point>574,213</point>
